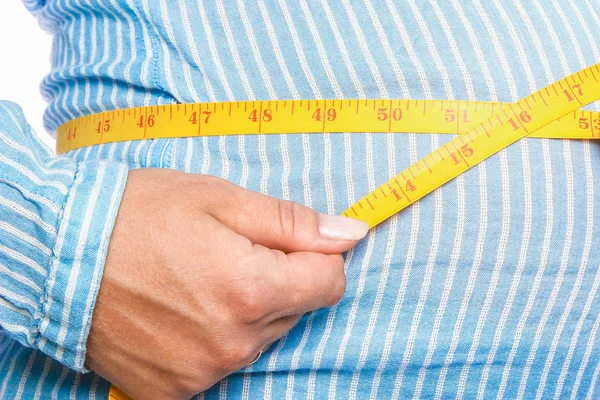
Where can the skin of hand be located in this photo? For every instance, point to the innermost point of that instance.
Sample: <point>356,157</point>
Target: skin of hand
<point>201,275</point>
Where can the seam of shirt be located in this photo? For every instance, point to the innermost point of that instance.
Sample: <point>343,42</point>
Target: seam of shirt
<point>166,155</point>
<point>152,35</point>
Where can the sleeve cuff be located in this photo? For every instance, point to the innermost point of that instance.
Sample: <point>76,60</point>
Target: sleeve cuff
<point>78,256</point>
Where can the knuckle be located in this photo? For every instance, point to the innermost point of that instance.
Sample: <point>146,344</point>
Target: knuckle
<point>288,216</point>
<point>210,187</point>
<point>209,181</point>
<point>337,292</point>
<point>251,304</point>
<point>338,284</point>
<point>233,355</point>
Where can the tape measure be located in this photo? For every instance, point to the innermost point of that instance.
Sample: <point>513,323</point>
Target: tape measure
<point>485,129</point>
<point>516,121</point>
<point>302,116</point>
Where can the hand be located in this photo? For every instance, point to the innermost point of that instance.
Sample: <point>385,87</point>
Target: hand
<point>201,275</point>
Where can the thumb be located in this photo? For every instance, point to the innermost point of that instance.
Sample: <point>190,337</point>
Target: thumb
<point>284,225</point>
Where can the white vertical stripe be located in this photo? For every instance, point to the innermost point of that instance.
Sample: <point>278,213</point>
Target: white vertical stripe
<point>586,308</point>
<point>456,53</point>
<point>213,51</point>
<point>277,50</point>
<point>148,50</point>
<point>371,186</point>
<point>42,378</point>
<point>506,205</point>
<point>74,386</point>
<point>342,46</point>
<point>271,366</point>
<point>8,351</point>
<point>586,357</point>
<point>320,48</point>
<point>125,152</point>
<point>335,85</point>
<point>11,369</point>
<point>246,383</point>
<point>187,75</point>
<point>460,186</point>
<point>119,53</point>
<point>95,282</point>
<point>588,238</point>
<point>413,237</point>
<point>390,246</point>
<point>139,145</point>
<point>569,190</point>
<point>549,213</point>
<point>75,268</point>
<point>383,38</point>
<point>94,386</point>
<point>224,158</point>
<point>494,279</point>
<point>300,51</point>
<point>111,151</point>
<point>255,50</point>
<point>59,383</point>
<point>367,54</point>
<point>528,207</point>
<point>25,375</point>
<point>223,389</point>
<point>206,158</point>
<point>234,52</point>
<point>133,44</point>
<point>166,65</point>
<point>592,388</point>
<point>285,193</point>
<point>193,48</point>
<point>70,22</point>
<point>189,145</point>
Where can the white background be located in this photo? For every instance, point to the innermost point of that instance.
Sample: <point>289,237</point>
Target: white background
<point>24,61</point>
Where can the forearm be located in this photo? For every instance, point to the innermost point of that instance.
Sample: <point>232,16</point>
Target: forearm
<point>56,217</point>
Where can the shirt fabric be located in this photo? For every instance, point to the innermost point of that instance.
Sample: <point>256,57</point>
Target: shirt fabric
<point>488,287</point>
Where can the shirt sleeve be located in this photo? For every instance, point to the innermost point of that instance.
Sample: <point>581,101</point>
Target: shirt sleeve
<point>34,5</point>
<point>56,218</point>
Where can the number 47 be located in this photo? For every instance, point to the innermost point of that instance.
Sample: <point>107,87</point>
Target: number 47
<point>576,88</point>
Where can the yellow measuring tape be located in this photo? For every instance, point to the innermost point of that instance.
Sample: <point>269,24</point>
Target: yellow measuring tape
<point>485,129</point>
<point>302,116</point>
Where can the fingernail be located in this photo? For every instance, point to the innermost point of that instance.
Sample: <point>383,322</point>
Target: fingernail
<point>341,228</point>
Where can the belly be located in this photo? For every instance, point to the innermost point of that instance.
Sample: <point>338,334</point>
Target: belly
<point>486,284</point>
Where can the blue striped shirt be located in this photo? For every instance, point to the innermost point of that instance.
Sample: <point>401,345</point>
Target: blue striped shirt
<point>487,288</point>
